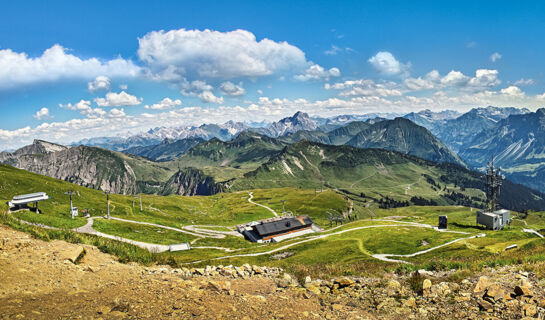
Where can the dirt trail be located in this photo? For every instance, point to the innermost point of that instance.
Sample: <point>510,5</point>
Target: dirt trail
<point>257,204</point>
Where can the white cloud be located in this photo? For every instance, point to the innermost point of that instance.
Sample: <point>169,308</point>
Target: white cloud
<point>208,96</point>
<point>484,78</point>
<point>84,107</point>
<point>195,87</point>
<point>366,87</point>
<point>164,104</point>
<point>495,57</point>
<point>524,82</point>
<point>56,64</point>
<point>123,87</point>
<point>259,91</point>
<point>513,91</point>
<point>118,99</point>
<point>454,78</point>
<point>385,62</point>
<point>100,83</point>
<point>232,89</point>
<point>215,54</point>
<point>42,114</point>
<point>333,50</point>
<point>316,72</point>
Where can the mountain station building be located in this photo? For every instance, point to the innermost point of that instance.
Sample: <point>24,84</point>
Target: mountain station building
<point>277,229</point>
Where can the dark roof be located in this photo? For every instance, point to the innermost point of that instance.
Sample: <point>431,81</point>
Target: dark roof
<point>283,225</point>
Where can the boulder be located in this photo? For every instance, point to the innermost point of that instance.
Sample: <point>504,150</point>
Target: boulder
<point>525,289</point>
<point>426,287</point>
<point>482,285</point>
<point>73,254</point>
<point>393,287</point>
<point>344,282</point>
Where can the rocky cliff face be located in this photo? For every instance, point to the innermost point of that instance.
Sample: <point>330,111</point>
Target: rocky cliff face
<point>86,166</point>
<point>191,182</point>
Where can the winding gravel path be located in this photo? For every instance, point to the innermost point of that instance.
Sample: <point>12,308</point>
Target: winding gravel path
<point>151,247</point>
<point>257,204</point>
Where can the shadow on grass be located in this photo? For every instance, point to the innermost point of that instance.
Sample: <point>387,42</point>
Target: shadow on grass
<point>467,226</point>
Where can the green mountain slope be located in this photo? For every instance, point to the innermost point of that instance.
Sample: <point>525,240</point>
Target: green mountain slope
<point>404,136</point>
<point>379,175</point>
<point>400,135</point>
<point>228,159</point>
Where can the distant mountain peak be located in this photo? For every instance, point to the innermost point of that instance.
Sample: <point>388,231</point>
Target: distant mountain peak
<point>299,121</point>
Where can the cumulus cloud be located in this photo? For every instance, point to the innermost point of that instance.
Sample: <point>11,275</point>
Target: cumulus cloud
<point>214,54</point>
<point>495,57</point>
<point>84,107</point>
<point>513,91</point>
<point>100,83</point>
<point>113,99</point>
<point>42,114</point>
<point>209,97</point>
<point>385,62</point>
<point>232,89</point>
<point>194,87</point>
<point>483,79</point>
<point>317,72</point>
<point>17,68</point>
<point>164,104</point>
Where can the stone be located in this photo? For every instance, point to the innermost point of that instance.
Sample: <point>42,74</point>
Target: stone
<point>525,289</point>
<point>73,254</point>
<point>426,287</point>
<point>495,292</point>
<point>485,305</point>
<point>258,270</point>
<point>542,303</point>
<point>344,282</point>
<point>393,287</point>
<point>530,310</point>
<point>308,281</point>
<point>199,271</point>
<point>481,285</point>
<point>219,285</point>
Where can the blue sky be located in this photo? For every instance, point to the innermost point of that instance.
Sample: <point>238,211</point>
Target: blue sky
<point>70,70</point>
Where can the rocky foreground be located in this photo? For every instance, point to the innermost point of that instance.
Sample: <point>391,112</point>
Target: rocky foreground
<point>51,280</point>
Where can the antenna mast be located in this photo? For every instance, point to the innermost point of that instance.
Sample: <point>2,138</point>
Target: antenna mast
<point>493,183</point>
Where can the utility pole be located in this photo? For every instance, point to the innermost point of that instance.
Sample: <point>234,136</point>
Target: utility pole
<point>70,193</point>
<point>283,202</point>
<point>108,201</point>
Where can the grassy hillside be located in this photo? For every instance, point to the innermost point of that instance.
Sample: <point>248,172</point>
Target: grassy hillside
<point>345,250</point>
<point>225,160</point>
<point>374,174</point>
